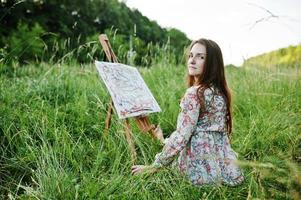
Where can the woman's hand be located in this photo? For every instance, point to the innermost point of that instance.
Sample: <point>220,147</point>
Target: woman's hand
<point>138,169</point>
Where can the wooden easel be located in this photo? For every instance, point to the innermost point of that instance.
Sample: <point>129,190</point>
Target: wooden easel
<point>143,122</point>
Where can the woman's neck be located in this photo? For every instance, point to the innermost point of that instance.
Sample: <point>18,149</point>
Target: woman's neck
<point>196,81</point>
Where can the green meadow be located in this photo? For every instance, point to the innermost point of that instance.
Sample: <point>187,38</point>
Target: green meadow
<point>52,143</point>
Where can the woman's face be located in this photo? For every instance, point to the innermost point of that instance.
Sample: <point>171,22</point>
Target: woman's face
<point>196,60</point>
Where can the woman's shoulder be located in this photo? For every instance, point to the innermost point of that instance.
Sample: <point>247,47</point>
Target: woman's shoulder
<point>194,92</point>
<point>192,89</point>
<point>190,94</point>
<point>208,91</point>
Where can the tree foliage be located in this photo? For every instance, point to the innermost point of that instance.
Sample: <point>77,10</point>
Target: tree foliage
<point>59,27</point>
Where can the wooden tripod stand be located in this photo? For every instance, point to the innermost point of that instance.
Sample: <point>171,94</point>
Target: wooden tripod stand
<point>143,122</point>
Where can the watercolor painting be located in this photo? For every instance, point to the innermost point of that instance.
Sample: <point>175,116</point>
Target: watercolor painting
<point>130,94</point>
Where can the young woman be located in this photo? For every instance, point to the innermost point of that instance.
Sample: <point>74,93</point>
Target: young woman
<point>201,140</point>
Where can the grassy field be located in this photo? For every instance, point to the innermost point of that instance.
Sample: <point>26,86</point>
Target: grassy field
<point>53,147</point>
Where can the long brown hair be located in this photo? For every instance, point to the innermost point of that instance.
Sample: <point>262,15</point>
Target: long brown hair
<point>213,74</point>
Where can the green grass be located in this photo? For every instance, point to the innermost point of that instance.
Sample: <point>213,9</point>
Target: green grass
<point>53,147</point>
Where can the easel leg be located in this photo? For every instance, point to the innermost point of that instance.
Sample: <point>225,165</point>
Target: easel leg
<point>108,118</point>
<point>145,126</point>
<point>128,135</point>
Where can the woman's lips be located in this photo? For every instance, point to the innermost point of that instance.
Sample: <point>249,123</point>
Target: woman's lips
<point>193,67</point>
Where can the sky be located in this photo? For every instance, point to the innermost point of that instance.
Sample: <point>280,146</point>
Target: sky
<point>230,23</point>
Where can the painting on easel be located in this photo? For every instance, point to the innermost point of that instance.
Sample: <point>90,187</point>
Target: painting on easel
<point>130,94</point>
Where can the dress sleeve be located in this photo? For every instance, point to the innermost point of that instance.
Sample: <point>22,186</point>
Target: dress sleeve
<point>186,124</point>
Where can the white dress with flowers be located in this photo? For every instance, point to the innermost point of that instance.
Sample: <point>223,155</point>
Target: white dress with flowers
<point>200,142</point>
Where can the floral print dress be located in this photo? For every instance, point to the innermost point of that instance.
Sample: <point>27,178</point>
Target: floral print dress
<point>201,142</point>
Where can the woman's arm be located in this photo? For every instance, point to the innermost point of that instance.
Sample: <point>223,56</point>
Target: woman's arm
<point>186,124</point>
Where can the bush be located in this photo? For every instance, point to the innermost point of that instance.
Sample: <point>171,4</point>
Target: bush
<point>25,44</point>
